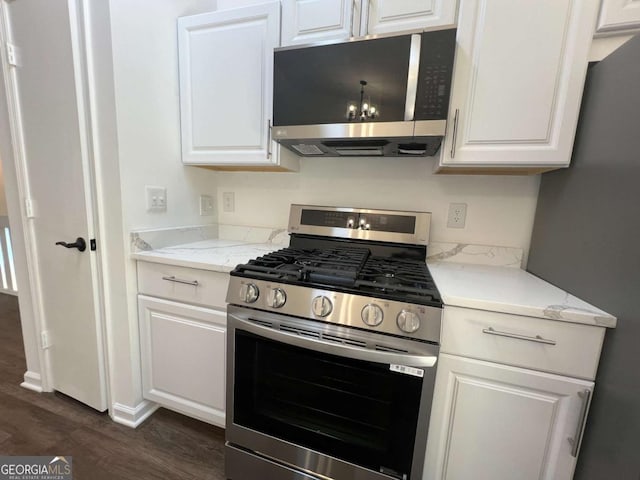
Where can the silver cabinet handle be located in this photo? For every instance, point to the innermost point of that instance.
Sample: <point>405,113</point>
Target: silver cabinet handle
<point>269,138</point>
<point>354,9</point>
<point>178,280</point>
<point>455,133</point>
<point>367,14</point>
<point>575,442</point>
<point>537,338</point>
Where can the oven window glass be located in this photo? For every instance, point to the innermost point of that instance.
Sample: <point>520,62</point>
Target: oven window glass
<point>358,411</point>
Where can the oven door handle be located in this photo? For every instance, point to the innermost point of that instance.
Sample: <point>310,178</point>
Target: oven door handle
<point>357,353</point>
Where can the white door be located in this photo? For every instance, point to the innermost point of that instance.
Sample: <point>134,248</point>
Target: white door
<point>518,77</point>
<point>495,422</point>
<point>47,89</point>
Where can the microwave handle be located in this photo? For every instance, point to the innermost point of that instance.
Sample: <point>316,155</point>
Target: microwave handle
<point>413,77</point>
<point>355,10</point>
<point>357,353</point>
<point>269,127</point>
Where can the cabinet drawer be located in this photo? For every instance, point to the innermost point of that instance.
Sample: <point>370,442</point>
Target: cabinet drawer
<point>546,345</point>
<point>190,285</point>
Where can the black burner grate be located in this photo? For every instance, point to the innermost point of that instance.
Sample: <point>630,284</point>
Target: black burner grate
<point>349,269</point>
<point>330,266</point>
<point>388,276</point>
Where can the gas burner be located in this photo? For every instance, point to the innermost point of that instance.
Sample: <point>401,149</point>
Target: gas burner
<point>332,266</point>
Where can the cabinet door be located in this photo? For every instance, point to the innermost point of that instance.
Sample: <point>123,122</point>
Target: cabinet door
<point>495,422</point>
<point>619,15</point>
<point>226,76</point>
<point>390,16</point>
<point>518,78</point>
<point>183,352</point>
<point>309,21</point>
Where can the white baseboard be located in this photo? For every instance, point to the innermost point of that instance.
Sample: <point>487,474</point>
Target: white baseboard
<point>32,381</point>
<point>133,416</point>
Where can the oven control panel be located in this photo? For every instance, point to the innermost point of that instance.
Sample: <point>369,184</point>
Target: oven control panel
<point>384,316</point>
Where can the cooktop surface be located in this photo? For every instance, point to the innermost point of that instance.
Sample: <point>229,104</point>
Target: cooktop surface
<point>347,269</point>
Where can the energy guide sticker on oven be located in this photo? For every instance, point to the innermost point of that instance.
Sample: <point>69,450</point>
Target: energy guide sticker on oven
<point>416,372</point>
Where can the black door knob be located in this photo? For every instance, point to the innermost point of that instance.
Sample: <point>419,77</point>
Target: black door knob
<point>80,244</point>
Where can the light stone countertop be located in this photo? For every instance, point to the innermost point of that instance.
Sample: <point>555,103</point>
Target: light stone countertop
<point>514,291</point>
<point>492,281</point>
<point>216,255</point>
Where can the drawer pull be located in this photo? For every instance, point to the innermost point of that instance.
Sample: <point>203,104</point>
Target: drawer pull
<point>537,338</point>
<point>178,280</point>
<point>575,442</point>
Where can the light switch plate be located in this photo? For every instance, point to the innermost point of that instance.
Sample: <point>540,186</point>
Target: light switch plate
<point>156,199</point>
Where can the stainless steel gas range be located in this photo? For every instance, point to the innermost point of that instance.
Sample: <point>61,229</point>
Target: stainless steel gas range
<point>332,350</point>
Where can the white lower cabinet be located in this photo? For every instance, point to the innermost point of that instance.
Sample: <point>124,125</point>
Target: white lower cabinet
<point>183,350</point>
<point>497,422</point>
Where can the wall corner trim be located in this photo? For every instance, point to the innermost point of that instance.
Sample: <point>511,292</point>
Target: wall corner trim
<point>133,416</point>
<point>32,381</point>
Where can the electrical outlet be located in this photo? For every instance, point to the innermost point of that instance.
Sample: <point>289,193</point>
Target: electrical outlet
<point>228,202</point>
<point>206,205</point>
<point>457,215</point>
<point>156,199</point>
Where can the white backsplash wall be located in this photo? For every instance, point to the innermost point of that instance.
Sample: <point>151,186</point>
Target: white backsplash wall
<point>145,54</point>
<point>500,209</point>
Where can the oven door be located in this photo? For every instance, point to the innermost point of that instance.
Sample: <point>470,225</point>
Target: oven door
<point>329,400</point>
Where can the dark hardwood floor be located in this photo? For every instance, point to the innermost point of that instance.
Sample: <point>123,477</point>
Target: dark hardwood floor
<point>167,446</point>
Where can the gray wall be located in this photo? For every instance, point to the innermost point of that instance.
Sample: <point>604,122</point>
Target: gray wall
<point>586,240</point>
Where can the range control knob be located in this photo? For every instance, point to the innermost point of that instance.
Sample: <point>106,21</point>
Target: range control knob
<point>249,293</point>
<point>372,315</point>
<point>276,298</point>
<point>408,321</point>
<point>321,306</point>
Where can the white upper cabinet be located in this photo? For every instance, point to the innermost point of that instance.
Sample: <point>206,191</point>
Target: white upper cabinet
<point>226,78</point>
<point>388,16</point>
<point>518,79</point>
<point>308,21</point>
<point>619,15</point>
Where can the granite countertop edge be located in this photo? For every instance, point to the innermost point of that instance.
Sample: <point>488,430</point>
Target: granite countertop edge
<point>512,291</point>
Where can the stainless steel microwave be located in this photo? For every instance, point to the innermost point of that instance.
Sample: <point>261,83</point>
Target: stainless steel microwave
<point>379,96</point>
